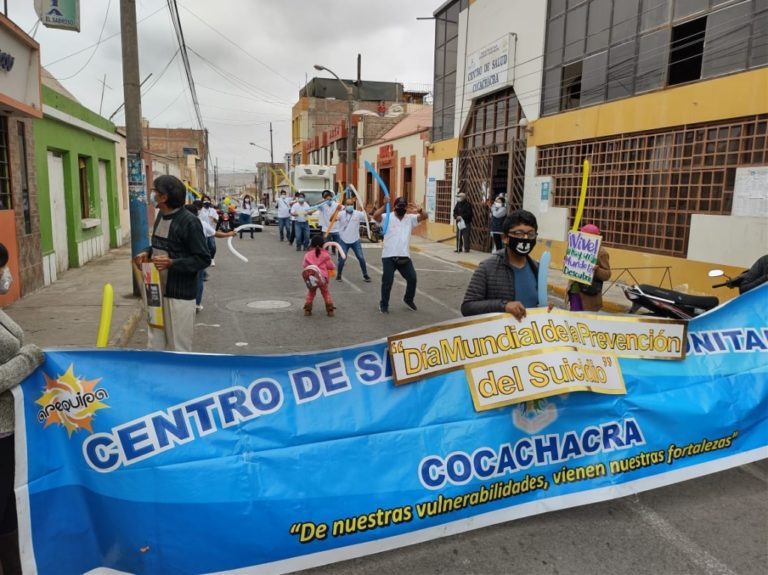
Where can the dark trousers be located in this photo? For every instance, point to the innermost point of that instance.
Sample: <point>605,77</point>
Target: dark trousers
<point>211,245</point>
<point>498,242</point>
<point>291,231</point>
<point>7,497</point>
<point>406,270</point>
<point>462,239</point>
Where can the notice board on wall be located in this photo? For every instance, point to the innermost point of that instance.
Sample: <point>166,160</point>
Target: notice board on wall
<point>750,192</point>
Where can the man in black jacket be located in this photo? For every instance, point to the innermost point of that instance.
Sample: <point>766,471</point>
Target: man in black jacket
<point>462,213</point>
<point>508,280</point>
<point>179,250</point>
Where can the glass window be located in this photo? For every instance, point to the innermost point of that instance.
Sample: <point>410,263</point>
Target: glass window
<point>575,28</point>
<point>24,177</point>
<point>685,8</point>
<point>726,41</point>
<point>599,25</point>
<point>451,51</point>
<point>85,196</point>
<point>551,96</point>
<point>652,60</point>
<point>555,31</point>
<point>439,30</point>
<point>439,62</point>
<point>759,51</point>
<point>593,78</point>
<point>625,16</point>
<point>556,7</point>
<point>654,13</point>
<point>452,21</point>
<point>621,70</point>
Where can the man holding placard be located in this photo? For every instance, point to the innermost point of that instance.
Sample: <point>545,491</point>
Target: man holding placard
<point>588,263</point>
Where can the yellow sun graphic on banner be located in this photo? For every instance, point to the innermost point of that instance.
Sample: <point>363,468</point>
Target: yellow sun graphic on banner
<point>70,401</point>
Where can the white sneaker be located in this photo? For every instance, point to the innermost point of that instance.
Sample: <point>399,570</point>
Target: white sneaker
<point>213,264</point>
<point>198,308</point>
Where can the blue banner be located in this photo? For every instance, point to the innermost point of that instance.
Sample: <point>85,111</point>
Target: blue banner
<point>148,462</point>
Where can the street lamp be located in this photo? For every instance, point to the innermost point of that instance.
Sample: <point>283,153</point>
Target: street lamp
<point>350,110</point>
<point>271,158</point>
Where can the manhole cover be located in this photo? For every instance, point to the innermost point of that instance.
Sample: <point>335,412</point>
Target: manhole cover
<point>269,304</point>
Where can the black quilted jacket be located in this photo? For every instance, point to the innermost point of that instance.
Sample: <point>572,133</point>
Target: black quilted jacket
<point>492,283</point>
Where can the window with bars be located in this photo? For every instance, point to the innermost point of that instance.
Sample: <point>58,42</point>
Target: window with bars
<point>643,188</point>
<point>494,120</point>
<point>6,198</point>
<point>443,203</point>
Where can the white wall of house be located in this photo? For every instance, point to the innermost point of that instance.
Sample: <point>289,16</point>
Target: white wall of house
<point>123,232</point>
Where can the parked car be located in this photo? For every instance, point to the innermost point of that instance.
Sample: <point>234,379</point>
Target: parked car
<point>269,217</point>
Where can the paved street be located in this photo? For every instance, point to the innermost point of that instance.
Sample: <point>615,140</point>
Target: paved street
<point>714,525</point>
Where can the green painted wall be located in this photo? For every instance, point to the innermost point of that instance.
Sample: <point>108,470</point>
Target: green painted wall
<point>72,142</point>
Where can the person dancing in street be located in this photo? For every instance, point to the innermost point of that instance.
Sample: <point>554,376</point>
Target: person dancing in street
<point>349,233</point>
<point>318,258</point>
<point>396,254</point>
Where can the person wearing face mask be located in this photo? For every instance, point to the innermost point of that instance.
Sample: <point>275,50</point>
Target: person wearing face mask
<point>462,213</point>
<point>582,297</point>
<point>349,233</point>
<point>283,206</point>
<point>179,251</point>
<point>396,254</point>
<point>300,210</point>
<point>498,215</point>
<point>326,211</point>
<point>209,214</point>
<point>507,281</point>
<point>17,361</point>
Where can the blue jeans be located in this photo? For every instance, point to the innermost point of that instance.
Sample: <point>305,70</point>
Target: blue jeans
<point>211,240</point>
<point>302,235</point>
<point>284,227</point>
<point>356,247</point>
<point>406,270</point>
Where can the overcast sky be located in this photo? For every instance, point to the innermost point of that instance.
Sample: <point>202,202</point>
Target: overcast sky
<point>256,55</point>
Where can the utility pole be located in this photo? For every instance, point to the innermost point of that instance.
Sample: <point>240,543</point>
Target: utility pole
<point>137,193</point>
<point>272,166</point>
<point>216,180</point>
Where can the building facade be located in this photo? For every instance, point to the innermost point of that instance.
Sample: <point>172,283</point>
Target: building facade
<point>668,99</point>
<point>77,182</point>
<point>183,152</point>
<point>20,103</point>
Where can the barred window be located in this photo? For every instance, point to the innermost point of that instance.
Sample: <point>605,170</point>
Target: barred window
<point>643,188</point>
<point>6,199</point>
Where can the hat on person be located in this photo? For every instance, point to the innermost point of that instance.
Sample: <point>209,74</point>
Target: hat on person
<point>591,229</point>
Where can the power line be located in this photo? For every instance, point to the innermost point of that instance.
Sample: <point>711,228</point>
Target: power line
<point>185,59</point>
<point>95,49</point>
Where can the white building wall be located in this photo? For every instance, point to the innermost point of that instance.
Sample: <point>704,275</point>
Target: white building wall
<point>485,21</point>
<point>123,232</point>
<point>732,240</point>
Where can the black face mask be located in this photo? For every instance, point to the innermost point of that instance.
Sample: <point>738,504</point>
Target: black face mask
<point>400,210</point>
<point>520,246</point>
<point>206,204</point>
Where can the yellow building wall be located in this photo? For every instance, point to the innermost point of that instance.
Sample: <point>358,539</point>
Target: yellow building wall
<point>733,96</point>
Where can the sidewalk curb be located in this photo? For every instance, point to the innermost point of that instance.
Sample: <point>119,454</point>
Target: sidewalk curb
<point>126,331</point>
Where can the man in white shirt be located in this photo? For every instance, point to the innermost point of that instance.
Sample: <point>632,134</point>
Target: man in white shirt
<point>349,233</point>
<point>301,210</point>
<point>209,214</point>
<point>283,215</point>
<point>396,254</point>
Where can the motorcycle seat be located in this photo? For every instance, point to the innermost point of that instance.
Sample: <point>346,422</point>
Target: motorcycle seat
<point>683,299</point>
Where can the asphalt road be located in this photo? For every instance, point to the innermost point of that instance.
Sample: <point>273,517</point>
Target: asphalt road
<point>715,525</point>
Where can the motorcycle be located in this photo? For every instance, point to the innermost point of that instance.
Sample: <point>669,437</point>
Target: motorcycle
<point>660,302</point>
<point>730,282</point>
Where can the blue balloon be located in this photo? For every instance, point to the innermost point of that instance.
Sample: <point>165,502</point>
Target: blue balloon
<point>543,272</point>
<point>384,188</point>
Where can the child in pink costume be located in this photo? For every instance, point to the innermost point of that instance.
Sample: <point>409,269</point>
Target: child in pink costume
<point>318,257</point>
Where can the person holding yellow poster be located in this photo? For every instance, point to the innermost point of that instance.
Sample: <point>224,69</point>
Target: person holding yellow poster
<point>179,251</point>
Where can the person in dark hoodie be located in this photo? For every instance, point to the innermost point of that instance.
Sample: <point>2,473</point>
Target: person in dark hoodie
<point>462,213</point>
<point>179,250</point>
<point>508,280</point>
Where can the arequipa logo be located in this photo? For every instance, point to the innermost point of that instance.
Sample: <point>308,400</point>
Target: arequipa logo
<point>70,401</point>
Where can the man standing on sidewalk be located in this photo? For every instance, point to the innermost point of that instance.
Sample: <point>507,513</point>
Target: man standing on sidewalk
<point>179,252</point>
<point>396,254</point>
<point>462,213</point>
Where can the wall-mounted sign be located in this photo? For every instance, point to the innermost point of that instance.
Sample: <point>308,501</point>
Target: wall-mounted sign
<point>488,68</point>
<point>386,153</point>
<point>19,71</point>
<point>62,14</point>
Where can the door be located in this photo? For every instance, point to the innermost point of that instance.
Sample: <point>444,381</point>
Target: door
<point>58,210</point>
<point>103,202</point>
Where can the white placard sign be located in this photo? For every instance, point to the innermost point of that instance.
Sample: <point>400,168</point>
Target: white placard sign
<point>488,68</point>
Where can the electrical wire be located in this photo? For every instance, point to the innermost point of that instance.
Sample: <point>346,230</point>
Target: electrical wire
<point>96,47</point>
